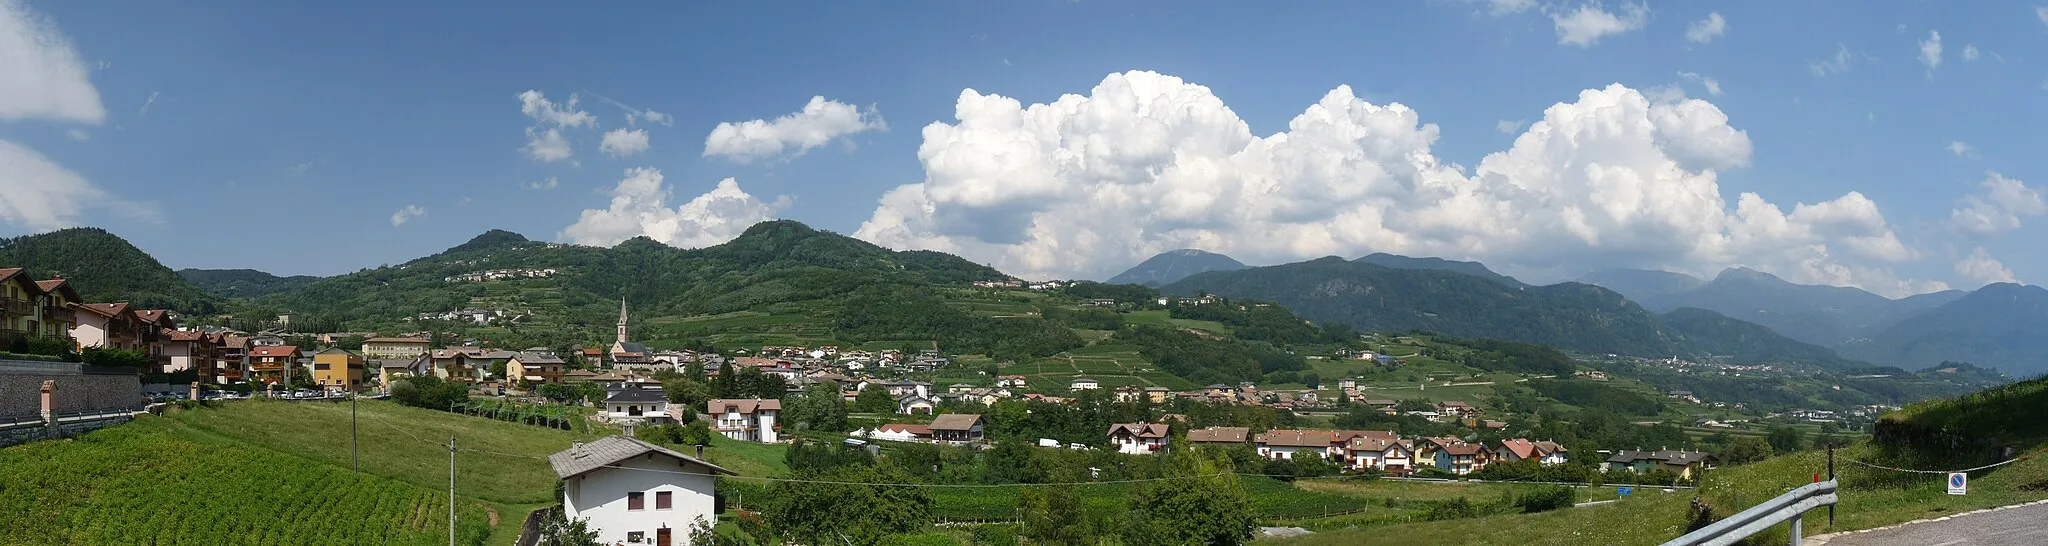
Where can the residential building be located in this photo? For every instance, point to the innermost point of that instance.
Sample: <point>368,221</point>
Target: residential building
<point>186,349</point>
<point>535,368</point>
<point>635,403</point>
<point>746,420</point>
<point>1459,457</point>
<point>110,325</point>
<point>1456,409</point>
<point>1519,449</point>
<point>465,364</point>
<point>338,369</point>
<point>35,309</point>
<point>1138,438</point>
<point>395,347</point>
<point>957,427</point>
<point>1219,436</point>
<point>391,369</point>
<point>1083,384</point>
<point>230,359</point>
<point>633,492</point>
<point>914,404</point>
<point>1391,455</point>
<point>1550,453</point>
<point>1683,463</point>
<point>1010,381</point>
<point>272,364</point>
<point>1285,444</point>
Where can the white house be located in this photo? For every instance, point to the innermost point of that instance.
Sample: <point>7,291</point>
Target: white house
<point>1284,444</point>
<point>608,483</point>
<point>636,403</point>
<point>1381,453</point>
<point>915,404</point>
<point>1083,384</point>
<point>745,420</point>
<point>1138,438</point>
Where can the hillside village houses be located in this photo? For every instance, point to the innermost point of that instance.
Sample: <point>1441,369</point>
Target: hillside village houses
<point>395,347</point>
<point>1138,438</point>
<point>744,420</point>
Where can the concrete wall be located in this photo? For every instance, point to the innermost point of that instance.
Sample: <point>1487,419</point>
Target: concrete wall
<point>78,389</point>
<point>29,432</point>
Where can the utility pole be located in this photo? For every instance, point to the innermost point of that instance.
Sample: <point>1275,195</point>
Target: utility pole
<point>451,490</point>
<point>1831,477</point>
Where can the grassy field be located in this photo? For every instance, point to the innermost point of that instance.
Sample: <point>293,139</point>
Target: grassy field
<point>160,480</point>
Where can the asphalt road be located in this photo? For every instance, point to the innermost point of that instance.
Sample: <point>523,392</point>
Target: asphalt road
<point>2027,525</point>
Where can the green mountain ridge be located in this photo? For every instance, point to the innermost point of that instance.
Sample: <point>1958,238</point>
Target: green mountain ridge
<point>242,283</point>
<point>105,267</point>
<point>1174,265</point>
<point>1475,269</point>
<point>2000,325</point>
<point>1572,316</point>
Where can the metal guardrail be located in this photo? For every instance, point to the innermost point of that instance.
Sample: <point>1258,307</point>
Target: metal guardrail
<point>1787,507</point>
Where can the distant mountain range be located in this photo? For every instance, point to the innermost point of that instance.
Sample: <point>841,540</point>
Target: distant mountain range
<point>1573,316</point>
<point>1174,265</point>
<point>1475,269</point>
<point>2003,325</point>
<point>1821,315</point>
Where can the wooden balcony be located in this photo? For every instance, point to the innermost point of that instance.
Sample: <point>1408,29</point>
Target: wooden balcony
<point>13,306</point>
<point>54,313</point>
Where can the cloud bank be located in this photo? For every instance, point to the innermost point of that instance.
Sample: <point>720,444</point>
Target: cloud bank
<point>639,206</point>
<point>1087,185</point>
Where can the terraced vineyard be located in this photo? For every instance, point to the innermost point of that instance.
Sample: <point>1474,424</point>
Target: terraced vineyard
<point>156,481</point>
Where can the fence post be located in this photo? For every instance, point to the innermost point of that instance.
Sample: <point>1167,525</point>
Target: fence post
<point>1831,477</point>
<point>1798,528</point>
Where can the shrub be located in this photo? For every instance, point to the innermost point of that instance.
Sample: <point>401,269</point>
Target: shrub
<point>102,356</point>
<point>1545,499</point>
<point>1434,472</point>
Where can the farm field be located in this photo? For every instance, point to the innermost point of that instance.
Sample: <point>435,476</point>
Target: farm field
<point>101,488</point>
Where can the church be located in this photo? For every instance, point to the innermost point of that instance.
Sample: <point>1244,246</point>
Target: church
<point>625,353</point>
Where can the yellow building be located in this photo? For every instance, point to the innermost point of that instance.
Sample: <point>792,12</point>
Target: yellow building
<point>335,368</point>
<point>395,347</point>
<point>35,309</point>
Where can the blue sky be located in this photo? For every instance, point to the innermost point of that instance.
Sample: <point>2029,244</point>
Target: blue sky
<point>285,136</point>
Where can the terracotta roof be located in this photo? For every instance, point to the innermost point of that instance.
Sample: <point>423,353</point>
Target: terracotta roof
<point>920,430</point>
<point>185,335</point>
<point>604,452</point>
<point>9,272</point>
<point>1547,447</point>
<point>1462,448</point>
<point>108,310</point>
<point>1141,430</point>
<point>744,406</point>
<point>151,315</point>
<point>53,285</point>
<point>1374,444</point>
<point>274,350</point>
<point>1346,435</point>
<point>1520,447</point>
<point>955,421</point>
<point>1219,435</point>
<point>1298,438</point>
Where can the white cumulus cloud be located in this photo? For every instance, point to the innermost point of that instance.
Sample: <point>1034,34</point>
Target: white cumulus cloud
<point>1970,52</point>
<point>639,206</point>
<point>623,142</point>
<point>1712,85</point>
<point>1088,184</point>
<point>1980,268</point>
<point>545,140</point>
<point>1998,208</point>
<point>1706,30</point>
<point>407,214</point>
<point>1589,23</point>
<point>549,184</point>
<point>1508,126</point>
<point>38,194</point>
<point>1961,149</point>
<point>1930,50</point>
<point>41,75</point>
<point>817,124</point>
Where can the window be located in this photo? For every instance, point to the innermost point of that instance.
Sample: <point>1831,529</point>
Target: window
<point>636,536</point>
<point>662,501</point>
<point>636,501</point>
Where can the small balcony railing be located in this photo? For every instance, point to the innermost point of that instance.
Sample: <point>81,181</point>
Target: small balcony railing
<point>59,314</point>
<point>13,306</point>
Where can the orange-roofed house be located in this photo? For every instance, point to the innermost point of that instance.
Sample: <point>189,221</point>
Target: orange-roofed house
<point>186,349</point>
<point>34,309</point>
<point>271,363</point>
<point>1138,438</point>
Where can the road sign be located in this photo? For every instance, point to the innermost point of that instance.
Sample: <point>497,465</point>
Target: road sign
<point>1958,483</point>
<point>1624,490</point>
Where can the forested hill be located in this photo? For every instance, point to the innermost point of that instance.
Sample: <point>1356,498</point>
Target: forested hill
<point>1475,269</point>
<point>772,262</point>
<point>104,267</point>
<point>243,283</point>
<point>1174,265</point>
<point>1571,316</point>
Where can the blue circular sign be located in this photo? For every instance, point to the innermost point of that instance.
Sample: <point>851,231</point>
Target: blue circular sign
<point>1955,480</point>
